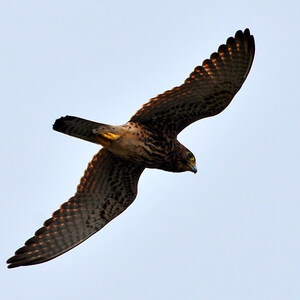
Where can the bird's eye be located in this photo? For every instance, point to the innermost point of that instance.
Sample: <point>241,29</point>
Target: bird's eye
<point>190,156</point>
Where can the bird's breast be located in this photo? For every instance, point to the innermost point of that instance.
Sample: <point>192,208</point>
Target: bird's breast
<point>140,145</point>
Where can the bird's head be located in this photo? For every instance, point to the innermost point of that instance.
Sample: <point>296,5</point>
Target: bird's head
<point>191,161</point>
<point>187,161</point>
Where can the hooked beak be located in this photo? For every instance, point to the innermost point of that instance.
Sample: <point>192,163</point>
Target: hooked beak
<point>193,168</point>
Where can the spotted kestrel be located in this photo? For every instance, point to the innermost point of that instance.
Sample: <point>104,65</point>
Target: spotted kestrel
<point>147,140</point>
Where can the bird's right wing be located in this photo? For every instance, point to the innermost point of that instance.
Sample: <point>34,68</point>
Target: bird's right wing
<point>206,92</point>
<point>108,187</point>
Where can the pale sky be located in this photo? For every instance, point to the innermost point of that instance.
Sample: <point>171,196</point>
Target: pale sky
<point>229,232</point>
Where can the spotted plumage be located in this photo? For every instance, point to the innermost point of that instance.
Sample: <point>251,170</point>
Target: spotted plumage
<point>147,140</point>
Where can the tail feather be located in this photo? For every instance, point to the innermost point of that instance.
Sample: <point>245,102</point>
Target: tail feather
<point>81,128</point>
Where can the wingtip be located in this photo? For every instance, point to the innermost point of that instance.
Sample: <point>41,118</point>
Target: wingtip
<point>246,38</point>
<point>13,262</point>
<point>9,261</point>
<point>249,38</point>
<point>16,261</point>
<point>10,266</point>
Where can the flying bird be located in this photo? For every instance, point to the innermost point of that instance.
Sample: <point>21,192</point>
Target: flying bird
<point>147,140</point>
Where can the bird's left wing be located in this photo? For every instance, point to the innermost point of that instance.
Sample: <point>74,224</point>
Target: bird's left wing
<point>108,187</point>
<point>207,91</point>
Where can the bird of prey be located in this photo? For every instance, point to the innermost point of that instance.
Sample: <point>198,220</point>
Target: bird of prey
<point>147,140</point>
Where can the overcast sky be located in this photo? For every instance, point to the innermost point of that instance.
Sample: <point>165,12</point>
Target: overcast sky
<point>229,232</point>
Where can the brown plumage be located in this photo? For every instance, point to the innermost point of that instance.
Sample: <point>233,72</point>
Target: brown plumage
<point>148,140</point>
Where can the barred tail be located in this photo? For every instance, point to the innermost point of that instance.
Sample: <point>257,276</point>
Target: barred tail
<point>84,129</point>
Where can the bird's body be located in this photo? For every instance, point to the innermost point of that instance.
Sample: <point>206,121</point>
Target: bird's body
<point>147,140</point>
<point>133,142</point>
